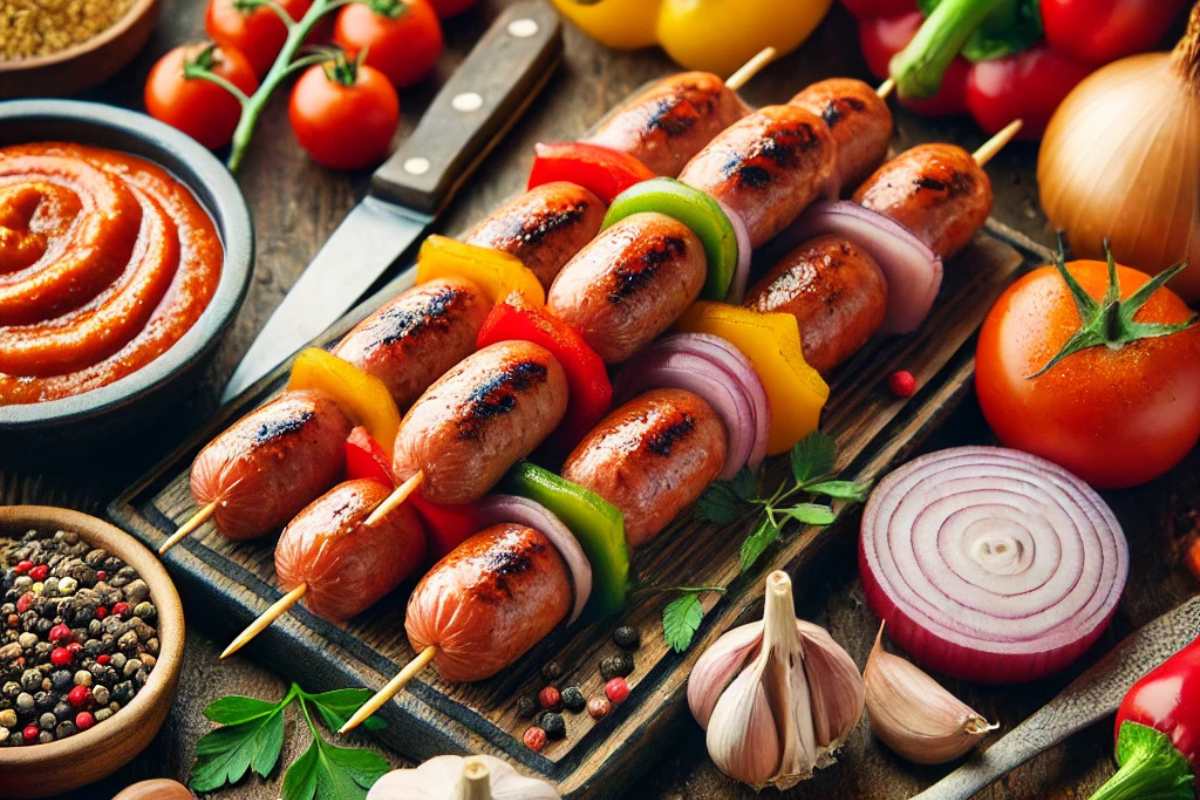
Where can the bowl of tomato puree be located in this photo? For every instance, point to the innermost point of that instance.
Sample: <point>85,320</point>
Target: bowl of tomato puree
<point>126,250</point>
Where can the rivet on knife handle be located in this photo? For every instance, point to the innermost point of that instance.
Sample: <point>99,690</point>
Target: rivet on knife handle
<point>473,110</point>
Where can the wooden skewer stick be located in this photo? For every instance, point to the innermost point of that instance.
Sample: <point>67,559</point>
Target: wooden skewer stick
<point>198,519</point>
<point>995,144</point>
<point>393,687</point>
<point>396,498</point>
<point>751,68</point>
<point>476,781</point>
<point>886,88</point>
<point>277,610</point>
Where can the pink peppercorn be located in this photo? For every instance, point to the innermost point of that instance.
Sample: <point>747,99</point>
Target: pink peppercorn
<point>24,601</point>
<point>598,707</point>
<point>40,572</point>
<point>22,567</point>
<point>84,720</point>
<point>535,739</point>
<point>79,696</point>
<point>121,609</point>
<point>60,657</point>
<point>550,699</point>
<point>103,659</point>
<point>74,648</point>
<point>60,632</point>
<point>101,612</point>
<point>902,383</point>
<point>30,733</point>
<point>617,690</point>
<point>101,575</point>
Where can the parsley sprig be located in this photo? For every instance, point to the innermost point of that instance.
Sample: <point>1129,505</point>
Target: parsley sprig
<point>251,738</point>
<point>682,616</point>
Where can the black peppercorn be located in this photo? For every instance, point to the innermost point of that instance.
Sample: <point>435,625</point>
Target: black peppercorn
<point>573,699</point>
<point>553,724</point>
<point>526,706</point>
<point>618,666</point>
<point>62,680</point>
<point>626,637</point>
<point>551,671</point>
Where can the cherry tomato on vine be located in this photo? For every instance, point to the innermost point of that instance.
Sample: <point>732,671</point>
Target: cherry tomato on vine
<point>883,37</point>
<point>1118,411</point>
<point>401,38</point>
<point>1099,31</point>
<point>344,113</point>
<point>201,109</point>
<point>870,9</point>
<point>259,33</point>
<point>449,8</point>
<point>1029,84</point>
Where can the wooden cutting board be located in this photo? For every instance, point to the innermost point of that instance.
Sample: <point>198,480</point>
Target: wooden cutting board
<point>226,584</point>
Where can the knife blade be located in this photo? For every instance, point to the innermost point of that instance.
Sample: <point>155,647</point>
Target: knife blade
<point>479,103</point>
<point>1089,698</point>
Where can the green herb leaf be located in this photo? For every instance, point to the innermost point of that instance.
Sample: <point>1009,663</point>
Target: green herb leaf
<point>336,707</point>
<point>809,513</point>
<point>235,709</point>
<point>362,767</point>
<point>744,484</point>
<point>756,543</point>
<point>681,619</point>
<point>300,782</point>
<point>813,456</point>
<point>719,504</point>
<point>223,756</point>
<point>840,490</point>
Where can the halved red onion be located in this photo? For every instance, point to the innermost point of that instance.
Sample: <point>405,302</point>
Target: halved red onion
<point>741,274</point>
<point>913,271</point>
<point>498,508</point>
<point>714,369</point>
<point>991,564</point>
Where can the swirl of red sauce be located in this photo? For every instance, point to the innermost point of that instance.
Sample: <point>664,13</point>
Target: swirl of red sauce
<point>106,260</point>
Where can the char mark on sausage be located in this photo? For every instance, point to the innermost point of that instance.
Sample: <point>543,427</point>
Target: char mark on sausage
<point>278,428</point>
<point>497,396</point>
<point>632,276</point>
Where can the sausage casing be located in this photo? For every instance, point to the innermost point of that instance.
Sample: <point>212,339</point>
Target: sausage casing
<point>937,191</point>
<point>413,339</point>
<point>651,458</point>
<point>488,601</point>
<point>543,227</point>
<point>836,292</point>
<point>269,464</point>
<point>669,121</point>
<point>858,118</point>
<point>347,565</point>
<point>628,286</point>
<point>488,412</point>
<point>767,167</point>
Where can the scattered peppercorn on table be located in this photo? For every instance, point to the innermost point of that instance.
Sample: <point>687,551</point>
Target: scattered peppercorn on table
<point>292,222</point>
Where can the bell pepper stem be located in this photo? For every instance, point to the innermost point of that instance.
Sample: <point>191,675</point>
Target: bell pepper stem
<point>1151,768</point>
<point>919,67</point>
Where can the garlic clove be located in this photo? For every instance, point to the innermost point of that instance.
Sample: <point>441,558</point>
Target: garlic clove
<point>914,715</point>
<point>838,697</point>
<point>718,666</point>
<point>742,736</point>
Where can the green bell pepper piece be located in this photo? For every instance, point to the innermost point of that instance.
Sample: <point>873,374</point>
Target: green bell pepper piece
<point>695,209</point>
<point>596,523</point>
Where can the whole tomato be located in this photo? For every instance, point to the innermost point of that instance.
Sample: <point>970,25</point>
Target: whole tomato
<point>344,114</point>
<point>1117,413</point>
<point>401,38</point>
<point>199,108</point>
<point>450,8</point>
<point>258,34</point>
<point>1029,84</point>
<point>883,37</point>
<point>1099,31</point>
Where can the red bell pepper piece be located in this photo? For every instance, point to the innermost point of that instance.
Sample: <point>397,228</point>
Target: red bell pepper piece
<point>606,172</point>
<point>366,458</point>
<point>1099,31</point>
<point>1028,85</point>
<point>446,526</point>
<point>1158,733</point>
<point>587,378</point>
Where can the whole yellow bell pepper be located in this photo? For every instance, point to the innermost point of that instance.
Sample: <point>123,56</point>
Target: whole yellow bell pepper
<point>714,35</point>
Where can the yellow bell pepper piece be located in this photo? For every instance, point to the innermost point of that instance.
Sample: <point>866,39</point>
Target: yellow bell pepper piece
<point>497,274</point>
<point>362,397</point>
<point>795,391</point>
<point>713,35</point>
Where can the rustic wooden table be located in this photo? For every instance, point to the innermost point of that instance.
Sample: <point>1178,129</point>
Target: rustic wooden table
<point>297,204</point>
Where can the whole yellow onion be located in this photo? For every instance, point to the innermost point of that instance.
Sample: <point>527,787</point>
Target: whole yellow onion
<point>1121,161</point>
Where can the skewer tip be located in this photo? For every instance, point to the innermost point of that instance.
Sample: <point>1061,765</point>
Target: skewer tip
<point>396,498</point>
<point>195,521</point>
<point>747,71</point>
<point>390,690</point>
<point>886,88</point>
<point>988,150</point>
<point>277,610</point>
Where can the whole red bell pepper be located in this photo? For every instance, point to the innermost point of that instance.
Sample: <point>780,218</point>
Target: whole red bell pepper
<point>1028,85</point>
<point>1158,733</point>
<point>604,171</point>
<point>1098,31</point>
<point>587,377</point>
<point>882,37</point>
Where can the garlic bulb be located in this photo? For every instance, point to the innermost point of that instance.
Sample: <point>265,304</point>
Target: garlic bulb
<point>913,715</point>
<point>777,696</point>
<point>458,778</point>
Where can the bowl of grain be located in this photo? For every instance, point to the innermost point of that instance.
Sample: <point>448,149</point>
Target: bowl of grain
<point>60,47</point>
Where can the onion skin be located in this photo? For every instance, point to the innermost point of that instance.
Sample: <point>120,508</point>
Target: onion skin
<point>1121,160</point>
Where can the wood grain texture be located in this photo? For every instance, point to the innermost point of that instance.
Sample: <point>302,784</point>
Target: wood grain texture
<point>297,205</point>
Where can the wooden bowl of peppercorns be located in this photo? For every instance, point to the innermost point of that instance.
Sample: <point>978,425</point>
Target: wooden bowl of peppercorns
<point>91,645</point>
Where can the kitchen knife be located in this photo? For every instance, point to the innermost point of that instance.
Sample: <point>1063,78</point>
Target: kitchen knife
<point>482,100</point>
<point>1089,698</point>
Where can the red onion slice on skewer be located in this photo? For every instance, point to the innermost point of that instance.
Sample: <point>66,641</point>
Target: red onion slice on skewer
<point>500,508</point>
<point>741,274</point>
<point>991,564</point>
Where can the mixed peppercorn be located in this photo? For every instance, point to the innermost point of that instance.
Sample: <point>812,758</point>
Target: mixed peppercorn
<point>77,636</point>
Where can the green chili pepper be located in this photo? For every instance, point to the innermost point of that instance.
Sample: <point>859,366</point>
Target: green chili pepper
<point>693,208</point>
<point>596,523</point>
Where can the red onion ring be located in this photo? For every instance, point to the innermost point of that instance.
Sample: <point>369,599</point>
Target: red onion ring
<point>991,564</point>
<point>499,508</point>
<point>912,270</point>
<point>714,369</point>
<point>741,274</point>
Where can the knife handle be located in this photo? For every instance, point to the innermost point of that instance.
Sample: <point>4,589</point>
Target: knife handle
<point>484,97</point>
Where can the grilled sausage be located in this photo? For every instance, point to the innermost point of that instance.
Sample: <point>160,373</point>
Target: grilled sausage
<point>347,565</point>
<point>836,292</point>
<point>543,227</point>
<point>269,464</point>
<point>488,412</point>
<point>630,284</point>
<point>670,120</point>
<point>651,458</point>
<point>486,603</point>
<point>860,121</point>
<point>937,191</point>
<point>767,167</point>
<point>412,340</point>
